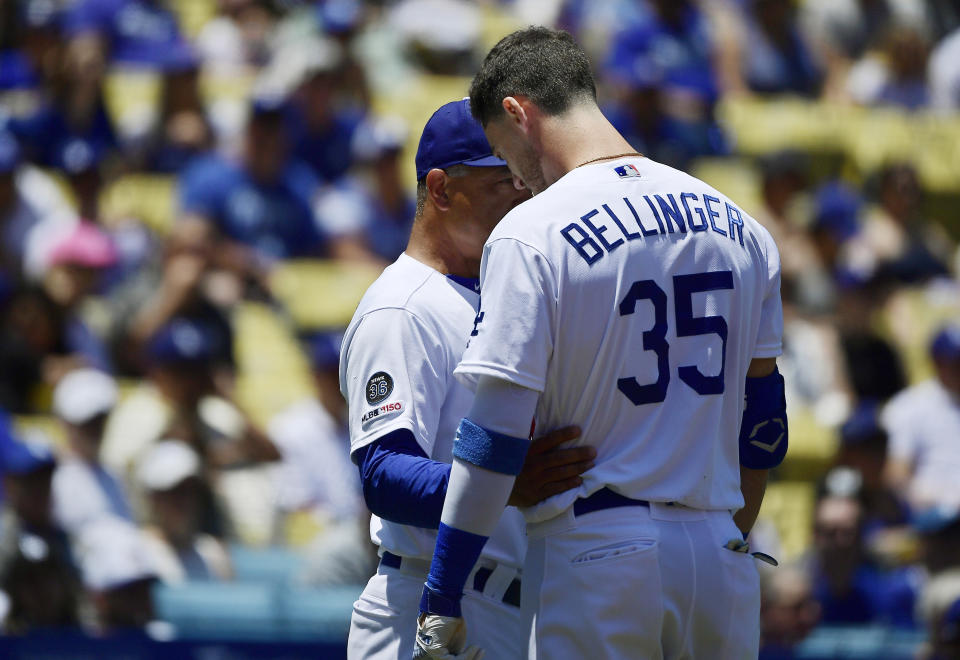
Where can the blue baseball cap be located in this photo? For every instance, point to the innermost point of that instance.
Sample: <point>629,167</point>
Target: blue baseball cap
<point>862,425</point>
<point>946,343</point>
<point>453,137</point>
<point>77,155</point>
<point>21,457</point>
<point>837,210</point>
<point>182,341</point>
<point>324,349</point>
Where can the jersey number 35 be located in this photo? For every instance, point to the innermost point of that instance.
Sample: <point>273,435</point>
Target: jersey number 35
<point>688,325</point>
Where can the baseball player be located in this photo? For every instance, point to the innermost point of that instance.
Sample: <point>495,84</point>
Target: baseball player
<point>645,306</point>
<point>396,372</point>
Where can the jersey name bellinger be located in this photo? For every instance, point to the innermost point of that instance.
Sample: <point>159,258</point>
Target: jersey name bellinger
<point>671,214</point>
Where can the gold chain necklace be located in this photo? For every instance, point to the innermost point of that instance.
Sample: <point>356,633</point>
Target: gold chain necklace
<point>629,153</point>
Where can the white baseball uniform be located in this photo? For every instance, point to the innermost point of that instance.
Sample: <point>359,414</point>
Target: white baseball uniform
<point>396,372</point>
<point>633,297</point>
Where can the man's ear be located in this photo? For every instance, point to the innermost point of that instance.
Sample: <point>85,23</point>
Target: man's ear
<point>517,110</point>
<point>436,182</point>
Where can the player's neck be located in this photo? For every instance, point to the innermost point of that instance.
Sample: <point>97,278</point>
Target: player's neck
<point>580,135</point>
<point>430,245</point>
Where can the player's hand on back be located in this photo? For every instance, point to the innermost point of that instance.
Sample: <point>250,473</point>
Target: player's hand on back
<point>550,469</point>
<point>443,638</point>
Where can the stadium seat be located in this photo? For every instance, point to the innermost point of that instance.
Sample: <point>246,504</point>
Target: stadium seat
<point>788,506</point>
<point>321,294</point>
<point>865,642</point>
<point>317,613</point>
<point>272,565</point>
<point>150,198</point>
<point>220,610</point>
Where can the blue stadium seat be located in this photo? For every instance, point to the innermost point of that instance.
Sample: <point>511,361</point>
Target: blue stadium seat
<point>319,613</point>
<point>220,610</point>
<point>269,565</point>
<point>862,642</point>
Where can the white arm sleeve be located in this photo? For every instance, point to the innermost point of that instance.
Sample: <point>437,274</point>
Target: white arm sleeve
<point>476,497</point>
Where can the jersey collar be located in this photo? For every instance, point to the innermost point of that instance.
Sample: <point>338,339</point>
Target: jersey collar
<point>471,283</point>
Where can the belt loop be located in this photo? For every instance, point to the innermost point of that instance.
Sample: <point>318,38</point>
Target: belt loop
<point>499,581</point>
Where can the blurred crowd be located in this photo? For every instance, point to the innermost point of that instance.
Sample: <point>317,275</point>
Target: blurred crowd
<point>124,332</point>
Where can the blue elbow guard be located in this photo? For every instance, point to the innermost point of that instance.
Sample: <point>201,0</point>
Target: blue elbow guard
<point>490,450</point>
<point>763,430</point>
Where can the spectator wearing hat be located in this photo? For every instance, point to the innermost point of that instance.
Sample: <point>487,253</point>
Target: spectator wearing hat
<point>371,206</point>
<point>315,474</point>
<point>923,423</point>
<point>170,476</point>
<point>662,71</point>
<point>182,131</point>
<point>242,217</point>
<point>28,466</point>
<point>83,489</point>
<point>118,572</point>
<point>321,120</point>
<point>184,398</point>
<point>76,265</point>
<point>187,399</point>
<point>863,449</point>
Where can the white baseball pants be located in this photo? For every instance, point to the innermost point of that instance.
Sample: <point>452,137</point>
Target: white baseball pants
<point>640,582</point>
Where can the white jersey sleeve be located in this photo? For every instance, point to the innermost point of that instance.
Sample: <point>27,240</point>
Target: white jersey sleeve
<point>513,334</point>
<point>770,332</point>
<point>396,378</point>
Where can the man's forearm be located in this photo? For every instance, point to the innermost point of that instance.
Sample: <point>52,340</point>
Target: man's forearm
<point>753,485</point>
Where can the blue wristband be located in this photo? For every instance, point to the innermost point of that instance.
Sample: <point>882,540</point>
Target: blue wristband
<point>490,450</point>
<point>456,554</point>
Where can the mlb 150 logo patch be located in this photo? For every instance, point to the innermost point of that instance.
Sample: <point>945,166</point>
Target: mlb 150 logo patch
<point>383,411</point>
<point>379,387</point>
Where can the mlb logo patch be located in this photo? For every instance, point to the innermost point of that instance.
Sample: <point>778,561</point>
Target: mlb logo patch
<point>627,171</point>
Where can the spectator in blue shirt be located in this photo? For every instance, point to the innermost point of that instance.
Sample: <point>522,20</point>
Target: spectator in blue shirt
<point>321,127</point>
<point>245,215</point>
<point>182,130</point>
<point>776,58</point>
<point>849,588</point>
<point>662,70</point>
<point>135,32</point>
<point>372,206</point>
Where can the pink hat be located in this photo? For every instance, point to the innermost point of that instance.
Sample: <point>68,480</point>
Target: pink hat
<point>85,245</point>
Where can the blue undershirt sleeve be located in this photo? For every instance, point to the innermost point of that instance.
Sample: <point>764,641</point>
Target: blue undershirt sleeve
<point>400,483</point>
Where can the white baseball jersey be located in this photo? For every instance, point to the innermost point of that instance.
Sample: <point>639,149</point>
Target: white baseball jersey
<point>633,297</point>
<point>396,372</point>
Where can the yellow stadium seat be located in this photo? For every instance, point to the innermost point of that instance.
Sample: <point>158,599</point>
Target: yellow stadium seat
<point>193,14</point>
<point>321,294</point>
<point>788,507</point>
<point>150,198</point>
<point>272,371</point>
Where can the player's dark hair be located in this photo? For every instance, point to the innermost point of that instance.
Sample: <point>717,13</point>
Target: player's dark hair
<point>547,66</point>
